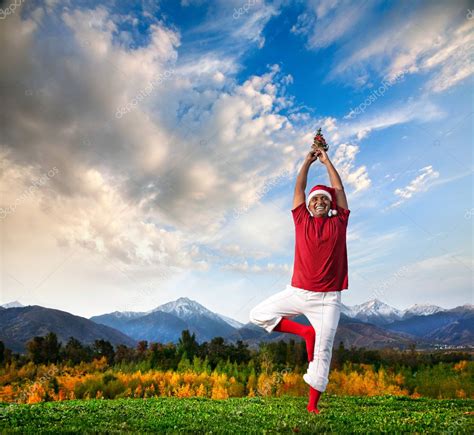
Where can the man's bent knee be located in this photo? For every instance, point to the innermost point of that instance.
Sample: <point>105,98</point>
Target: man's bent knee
<point>264,319</point>
<point>254,316</point>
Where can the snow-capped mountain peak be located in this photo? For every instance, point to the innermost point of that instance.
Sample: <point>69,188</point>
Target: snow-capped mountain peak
<point>378,312</point>
<point>377,307</point>
<point>374,310</point>
<point>183,308</point>
<point>422,310</point>
<point>14,304</point>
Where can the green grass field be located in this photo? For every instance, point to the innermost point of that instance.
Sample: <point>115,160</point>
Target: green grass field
<point>243,415</point>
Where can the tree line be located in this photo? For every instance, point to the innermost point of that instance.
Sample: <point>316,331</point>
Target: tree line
<point>48,349</point>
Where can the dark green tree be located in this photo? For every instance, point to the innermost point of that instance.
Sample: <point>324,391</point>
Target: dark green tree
<point>2,352</point>
<point>216,351</point>
<point>42,350</point>
<point>124,354</point>
<point>187,343</point>
<point>104,348</point>
<point>142,348</point>
<point>240,352</point>
<point>51,348</point>
<point>35,349</point>
<point>75,352</point>
<point>163,356</point>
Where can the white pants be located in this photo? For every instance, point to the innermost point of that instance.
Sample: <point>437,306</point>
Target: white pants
<point>323,310</point>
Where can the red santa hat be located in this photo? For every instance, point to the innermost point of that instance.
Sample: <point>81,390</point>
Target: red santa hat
<point>325,190</point>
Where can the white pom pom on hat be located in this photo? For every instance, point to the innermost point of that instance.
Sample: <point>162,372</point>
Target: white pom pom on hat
<point>330,192</point>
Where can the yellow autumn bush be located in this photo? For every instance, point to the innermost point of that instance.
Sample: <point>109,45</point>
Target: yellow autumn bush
<point>367,382</point>
<point>96,380</point>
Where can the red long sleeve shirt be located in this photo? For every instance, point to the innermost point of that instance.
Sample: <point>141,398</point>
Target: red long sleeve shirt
<point>320,250</point>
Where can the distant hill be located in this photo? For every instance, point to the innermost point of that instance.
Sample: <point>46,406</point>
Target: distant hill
<point>460,331</point>
<point>454,326</point>
<point>351,332</point>
<point>19,325</point>
<point>156,326</point>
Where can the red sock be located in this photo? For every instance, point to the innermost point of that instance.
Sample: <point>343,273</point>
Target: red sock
<point>307,332</point>
<point>314,396</point>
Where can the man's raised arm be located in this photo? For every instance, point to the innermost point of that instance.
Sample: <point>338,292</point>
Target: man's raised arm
<point>301,180</point>
<point>335,179</point>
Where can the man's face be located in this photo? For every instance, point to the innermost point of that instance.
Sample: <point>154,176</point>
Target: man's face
<point>319,205</point>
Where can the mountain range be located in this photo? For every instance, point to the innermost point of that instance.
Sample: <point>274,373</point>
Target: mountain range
<point>372,324</point>
<point>379,313</point>
<point>18,325</point>
<point>168,320</point>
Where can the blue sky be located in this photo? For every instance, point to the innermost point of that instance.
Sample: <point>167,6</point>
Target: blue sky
<point>177,130</point>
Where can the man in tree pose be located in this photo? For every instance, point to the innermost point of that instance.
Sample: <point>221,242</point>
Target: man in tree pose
<point>319,274</point>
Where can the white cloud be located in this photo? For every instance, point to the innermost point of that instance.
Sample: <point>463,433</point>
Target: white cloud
<point>418,110</point>
<point>272,268</point>
<point>157,188</point>
<point>230,28</point>
<point>367,252</point>
<point>98,218</point>
<point>434,39</point>
<point>344,159</point>
<point>453,58</point>
<point>446,180</point>
<point>419,184</point>
<point>444,279</point>
<point>261,231</point>
<point>342,135</point>
<point>327,21</point>
<point>190,152</point>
